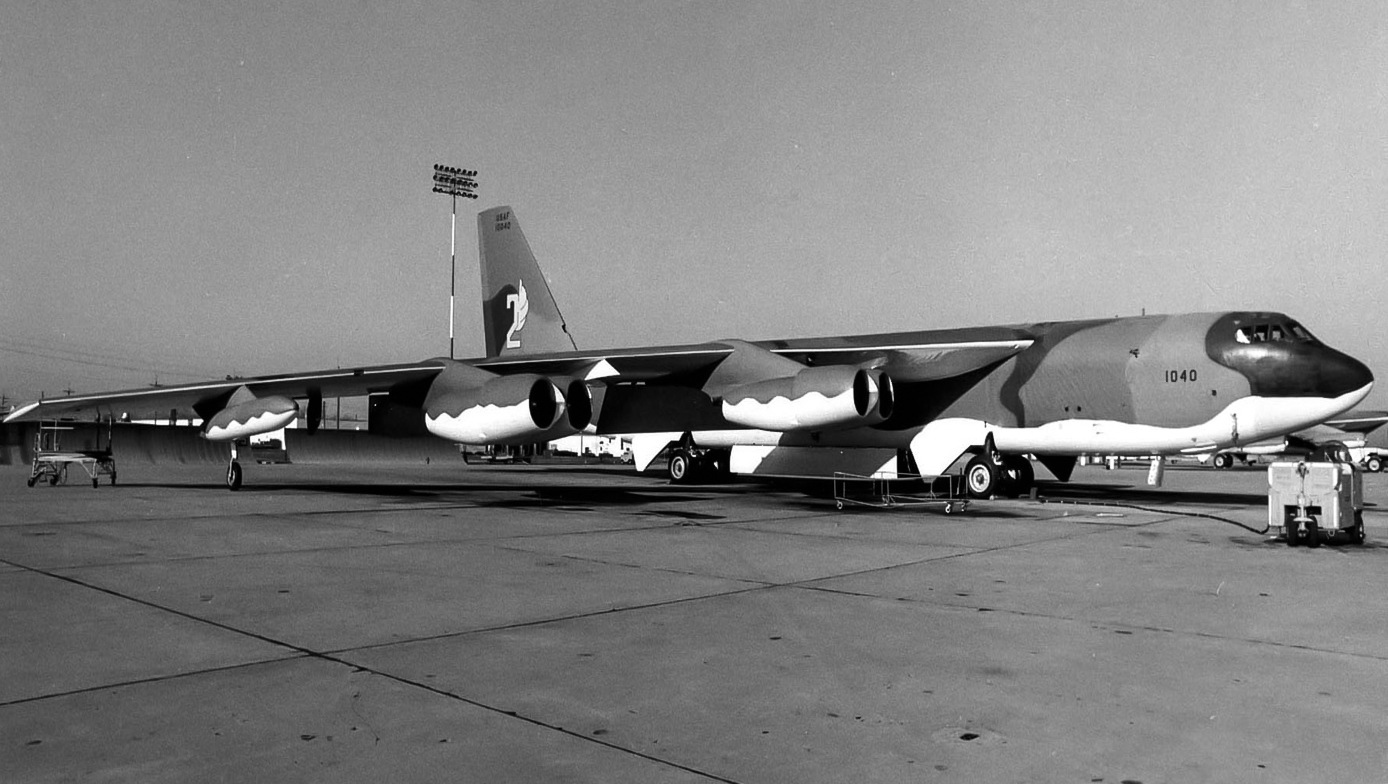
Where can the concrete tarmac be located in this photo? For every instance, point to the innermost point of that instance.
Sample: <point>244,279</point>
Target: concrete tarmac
<point>372,623</point>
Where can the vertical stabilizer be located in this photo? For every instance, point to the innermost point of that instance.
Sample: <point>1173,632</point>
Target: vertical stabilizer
<point>519,313</point>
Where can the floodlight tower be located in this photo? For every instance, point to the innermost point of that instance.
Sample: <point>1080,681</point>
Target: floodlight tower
<point>454,182</point>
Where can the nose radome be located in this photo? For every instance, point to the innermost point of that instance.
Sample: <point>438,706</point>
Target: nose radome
<point>1297,370</point>
<point>1319,372</point>
<point>1342,374</point>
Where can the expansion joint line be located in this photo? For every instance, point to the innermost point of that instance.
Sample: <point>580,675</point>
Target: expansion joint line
<point>310,653</point>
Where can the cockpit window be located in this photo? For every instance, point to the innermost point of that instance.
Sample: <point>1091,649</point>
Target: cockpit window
<point>1273,333</point>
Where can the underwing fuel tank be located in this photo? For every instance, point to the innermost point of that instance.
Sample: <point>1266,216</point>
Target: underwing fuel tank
<point>523,408</point>
<point>817,398</point>
<point>250,418</point>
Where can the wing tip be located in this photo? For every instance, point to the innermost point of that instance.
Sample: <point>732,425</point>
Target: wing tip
<point>20,412</point>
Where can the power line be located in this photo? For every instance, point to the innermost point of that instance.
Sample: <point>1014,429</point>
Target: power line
<point>79,357</point>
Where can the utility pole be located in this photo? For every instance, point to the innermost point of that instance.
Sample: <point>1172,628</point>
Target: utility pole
<point>454,182</point>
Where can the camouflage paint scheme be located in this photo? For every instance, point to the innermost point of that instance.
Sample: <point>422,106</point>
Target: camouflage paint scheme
<point>1160,384</point>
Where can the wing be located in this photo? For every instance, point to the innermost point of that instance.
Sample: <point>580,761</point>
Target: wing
<point>678,388</point>
<point>206,398</point>
<point>714,385</point>
<point>1362,422</point>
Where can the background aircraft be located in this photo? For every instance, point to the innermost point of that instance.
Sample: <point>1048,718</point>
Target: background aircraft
<point>1351,429</point>
<point>908,402</point>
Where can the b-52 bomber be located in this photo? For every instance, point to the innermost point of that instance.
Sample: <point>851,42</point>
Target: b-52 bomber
<point>914,403</point>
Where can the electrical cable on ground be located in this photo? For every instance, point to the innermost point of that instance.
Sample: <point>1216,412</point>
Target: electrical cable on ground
<point>1119,505</point>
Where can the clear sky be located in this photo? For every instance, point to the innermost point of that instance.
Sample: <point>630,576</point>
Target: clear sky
<point>193,189</point>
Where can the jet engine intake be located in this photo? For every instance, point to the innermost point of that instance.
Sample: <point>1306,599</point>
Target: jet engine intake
<point>250,418</point>
<point>816,398</point>
<point>519,409</point>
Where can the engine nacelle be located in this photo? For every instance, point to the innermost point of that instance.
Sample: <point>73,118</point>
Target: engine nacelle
<point>519,409</point>
<point>250,418</point>
<point>817,398</point>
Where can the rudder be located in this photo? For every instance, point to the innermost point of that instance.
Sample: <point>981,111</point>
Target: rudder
<point>519,314</point>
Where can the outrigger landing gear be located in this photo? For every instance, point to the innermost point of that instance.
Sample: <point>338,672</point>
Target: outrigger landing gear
<point>233,470</point>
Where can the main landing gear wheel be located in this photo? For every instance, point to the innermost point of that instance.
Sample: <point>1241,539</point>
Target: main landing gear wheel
<point>1223,460</point>
<point>234,476</point>
<point>1017,476</point>
<point>680,467</point>
<point>981,477</point>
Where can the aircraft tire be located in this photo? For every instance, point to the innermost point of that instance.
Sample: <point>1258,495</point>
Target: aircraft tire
<point>981,477</point>
<point>720,464</point>
<point>1222,461</point>
<point>1017,476</point>
<point>680,467</point>
<point>234,476</point>
<point>1313,534</point>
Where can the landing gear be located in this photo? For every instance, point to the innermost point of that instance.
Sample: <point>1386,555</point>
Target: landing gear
<point>1223,460</point>
<point>981,477</point>
<point>690,464</point>
<point>680,467</point>
<point>234,469</point>
<point>1017,476</point>
<point>990,474</point>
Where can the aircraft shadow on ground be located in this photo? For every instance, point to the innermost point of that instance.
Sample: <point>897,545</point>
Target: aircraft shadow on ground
<point>811,495</point>
<point>513,495</point>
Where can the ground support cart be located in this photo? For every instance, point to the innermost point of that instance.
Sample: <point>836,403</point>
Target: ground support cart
<point>51,461</point>
<point>1307,499</point>
<point>875,490</point>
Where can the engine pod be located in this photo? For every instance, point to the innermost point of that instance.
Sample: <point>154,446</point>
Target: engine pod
<point>819,398</point>
<point>250,418</point>
<point>503,409</point>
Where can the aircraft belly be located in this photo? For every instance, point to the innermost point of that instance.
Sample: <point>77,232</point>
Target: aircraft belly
<point>641,408</point>
<point>763,460</point>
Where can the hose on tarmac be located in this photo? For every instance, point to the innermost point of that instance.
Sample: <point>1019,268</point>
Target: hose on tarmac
<point>1136,507</point>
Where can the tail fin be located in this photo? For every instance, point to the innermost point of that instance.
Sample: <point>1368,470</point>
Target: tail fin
<point>519,313</point>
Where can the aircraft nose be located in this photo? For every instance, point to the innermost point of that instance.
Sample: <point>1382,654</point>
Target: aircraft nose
<point>1291,370</point>
<point>1341,374</point>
